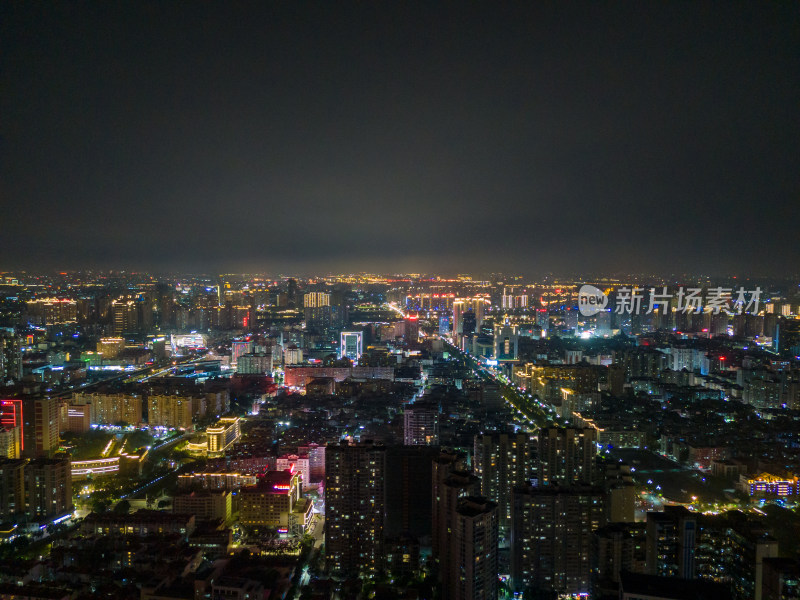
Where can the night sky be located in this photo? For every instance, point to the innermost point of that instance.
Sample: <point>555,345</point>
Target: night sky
<point>296,137</point>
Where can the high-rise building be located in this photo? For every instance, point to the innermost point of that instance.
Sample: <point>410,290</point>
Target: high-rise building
<point>317,312</point>
<point>506,342</point>
<point>450,483</point>
<point>473,560</point>
<point>79,418</point>
<point>479,308</point>
<point>567,456</point>
<point>351,345</point>
<point>444,326</point>
<point>552,537</point>
<point>110,409</point>
<point>170,411</point>
<point>616,548</point>
<point>12,488</point>
<point>354,506</point>
<point>671,542</point>
<point>412,329</point>
<point>10,357</point>
<point>458,320</point>
<point>408,492</point>
<point>124,316</point>
<point>316,299</point>
<point>444,464</point>
<point>421,424</point>
<point>204,504</point>
<point>254,364</point>
<point>41,427</point>
<point>620,493</point>
<point>502,461</point>
<point>53,311</point>
<point>48,488</point>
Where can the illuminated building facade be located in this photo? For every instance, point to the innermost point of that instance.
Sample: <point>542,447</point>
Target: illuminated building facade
<point>672,539</point>
<point>79,418</point>
<point>351,345</point>
<point>503,460</point>
<point>765,486</point>
<point>223,435</point>
<point>269,503</point>
<point>95,467</point>
<point>222,480</point>
<point>412,329</point>
<point>108,409</point>
<point>296,462</point>
<point>254,364</point>
<point>552,537</point>
<point>10,357</point>
<point>240,348</point>
<point>421,424</point>
<point>124,315</point>
<point>53,311</point>
<point>48,488</point>
<point>11,421</point>
<point>506,342</point>
<point>45,429</point>
<point>567,456</point>
<point>10,446</point>
<point>170,411</point>
<point>205,505</point>
<point>111,347</point>
<point>354,506</point>
<point>316,461</point>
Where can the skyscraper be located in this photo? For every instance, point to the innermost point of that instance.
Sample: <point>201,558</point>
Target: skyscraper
<point>408,491</point>
<point>567,456</point>
<point>40,427</point>
<point>450,484</point>
<point>10,357</point>
<point>506,341</point>
<point>354,506</point>
<point>552,537</point>
<point>124,316</point>
<point>317,312</point>
<point>472,571</point>
<point>502,461</point>
<point>12,488</point>
<point>48,488</point>
<point>458,321</point>
<point>671,541</point>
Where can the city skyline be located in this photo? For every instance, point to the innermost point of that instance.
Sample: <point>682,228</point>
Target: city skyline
<point>307,138</point>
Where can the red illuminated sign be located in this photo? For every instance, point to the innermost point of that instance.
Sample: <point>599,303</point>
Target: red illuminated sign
<point>11,416</point>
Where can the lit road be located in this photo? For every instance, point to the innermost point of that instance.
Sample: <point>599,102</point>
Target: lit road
<point>133,376</point>
<point>530,410</point>
<point>393,306</point>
